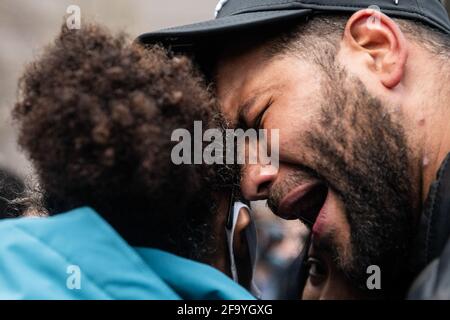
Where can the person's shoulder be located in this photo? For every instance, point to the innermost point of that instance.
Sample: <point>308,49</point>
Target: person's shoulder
<point>32,266</point>
<point>27,261</point>
<point>191,279</point>
<point>74,255</point>
<point>14,225</point>
<point>41,224</point>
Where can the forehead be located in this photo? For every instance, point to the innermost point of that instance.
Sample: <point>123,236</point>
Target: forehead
<point>241,75</point>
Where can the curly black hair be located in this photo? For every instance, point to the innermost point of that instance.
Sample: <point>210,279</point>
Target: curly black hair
<point>11,188</point>
<point>95,116</point>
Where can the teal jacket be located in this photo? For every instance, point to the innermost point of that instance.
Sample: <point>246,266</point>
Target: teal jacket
<point>78,255</point>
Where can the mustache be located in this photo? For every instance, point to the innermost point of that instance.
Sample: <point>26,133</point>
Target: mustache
<point>273,203</point>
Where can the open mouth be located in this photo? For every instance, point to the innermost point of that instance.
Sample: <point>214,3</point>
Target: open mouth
<point>304,202</point>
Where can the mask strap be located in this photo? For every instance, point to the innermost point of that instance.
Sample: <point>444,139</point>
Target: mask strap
<point>252,242</point>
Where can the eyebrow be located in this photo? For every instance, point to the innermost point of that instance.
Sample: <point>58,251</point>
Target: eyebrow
<point>324,245</point>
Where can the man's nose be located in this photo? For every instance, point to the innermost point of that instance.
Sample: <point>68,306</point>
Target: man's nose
<point>256,181</point>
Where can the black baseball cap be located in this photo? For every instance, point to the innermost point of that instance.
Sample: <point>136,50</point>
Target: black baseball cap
<point>238,15</point>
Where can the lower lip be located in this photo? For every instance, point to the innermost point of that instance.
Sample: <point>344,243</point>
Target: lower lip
<point>320,224</point>
<point>288,201</point>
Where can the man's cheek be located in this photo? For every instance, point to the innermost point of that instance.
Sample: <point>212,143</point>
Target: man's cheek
<point>310,292</point>
<point>293,145</point>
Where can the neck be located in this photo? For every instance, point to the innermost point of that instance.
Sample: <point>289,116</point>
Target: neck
<point>437,143</point>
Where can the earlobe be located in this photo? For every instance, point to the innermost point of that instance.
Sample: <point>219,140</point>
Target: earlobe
<point>376,35</point>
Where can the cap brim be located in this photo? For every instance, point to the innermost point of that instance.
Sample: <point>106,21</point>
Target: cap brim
<point>189,35</point>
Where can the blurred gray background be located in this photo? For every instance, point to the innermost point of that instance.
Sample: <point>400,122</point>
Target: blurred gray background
<point>27,25</point>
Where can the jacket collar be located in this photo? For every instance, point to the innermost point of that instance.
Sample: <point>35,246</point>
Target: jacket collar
<point>110,267</point>
<point>434,229</point>
<point>119,271</point>
<point>192,280</point>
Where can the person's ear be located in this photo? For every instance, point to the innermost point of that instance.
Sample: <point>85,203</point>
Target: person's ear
<point>380,39</point>
<point>241,249</point>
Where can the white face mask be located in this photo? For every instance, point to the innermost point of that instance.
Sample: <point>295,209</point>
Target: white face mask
<point>250,234</point>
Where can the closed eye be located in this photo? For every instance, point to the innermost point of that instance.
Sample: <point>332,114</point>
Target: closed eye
<point>258,119</point>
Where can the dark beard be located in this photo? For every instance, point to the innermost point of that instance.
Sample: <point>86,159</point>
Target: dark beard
<point>363,155</point>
